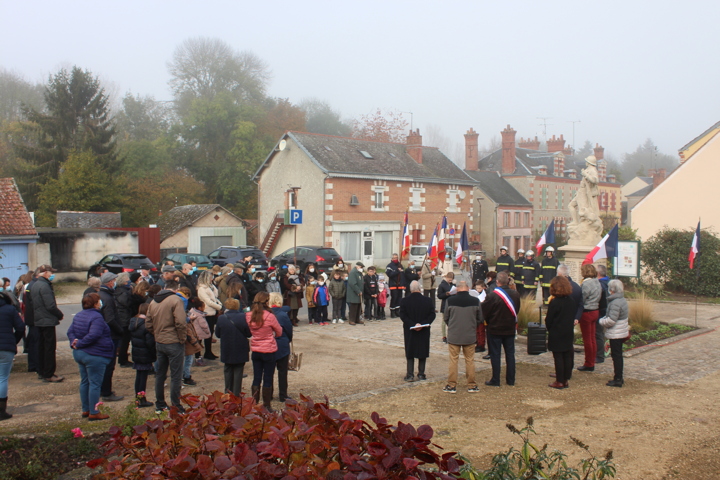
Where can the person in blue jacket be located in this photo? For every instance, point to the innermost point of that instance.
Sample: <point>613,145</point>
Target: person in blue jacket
<point>11,331</point>
<point>282,355</point>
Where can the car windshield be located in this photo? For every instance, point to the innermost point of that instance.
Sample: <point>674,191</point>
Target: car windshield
<point>198,259</point>
<point>418,250</point>
<point>327,252</point>
<point>135,260</point>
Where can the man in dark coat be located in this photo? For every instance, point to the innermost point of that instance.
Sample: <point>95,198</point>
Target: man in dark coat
<point>109,313</point>
<point>504,262</point>
<point>396,283</point>
<point>480,269</point>
<point>416,310</point>
<point>500,313</point>
<point>46,316</point>
<point>576,295</point>
<point>123,312</point>
<point>412,273</point>
<point>530,276</point>
<point>31,340</point>
<point>548,271</point>
<point>233,331</point>
<point>355,288</point>
<point>599,329</point>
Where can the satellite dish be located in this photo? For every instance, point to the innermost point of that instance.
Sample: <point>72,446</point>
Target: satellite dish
<point>282,145</point>
<point>462,194</point>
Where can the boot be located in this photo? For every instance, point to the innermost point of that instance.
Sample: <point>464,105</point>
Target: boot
<point>3,409</point>
<point>267,398</point>
<point>256,393</point>
<point>142,402</point>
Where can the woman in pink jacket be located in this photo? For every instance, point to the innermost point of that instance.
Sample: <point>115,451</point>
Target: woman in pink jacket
<point>264,328</point>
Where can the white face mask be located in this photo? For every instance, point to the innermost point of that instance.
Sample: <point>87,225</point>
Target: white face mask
<point>360,269</point>
<point>340,265</point>
<point>311,269</point>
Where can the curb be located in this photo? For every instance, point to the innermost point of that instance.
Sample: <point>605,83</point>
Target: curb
<point>667,341</point>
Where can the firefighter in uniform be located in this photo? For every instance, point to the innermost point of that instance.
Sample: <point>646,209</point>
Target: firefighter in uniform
<point>531,274</point>
<point>517,271</point>
<point>479,269</point>
<point>548,272</point>
<point>396,283</point>
<point>504,261</point>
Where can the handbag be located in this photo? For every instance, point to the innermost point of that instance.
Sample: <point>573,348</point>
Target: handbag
<point>295,360</point>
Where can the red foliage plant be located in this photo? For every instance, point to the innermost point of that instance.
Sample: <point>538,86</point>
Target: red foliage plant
<point>226,437</point>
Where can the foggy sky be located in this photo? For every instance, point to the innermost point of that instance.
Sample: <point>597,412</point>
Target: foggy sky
<point>628,70</point>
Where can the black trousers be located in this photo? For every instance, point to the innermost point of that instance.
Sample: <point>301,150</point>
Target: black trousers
<point>396,294</point>
<point>616,349</point>
<point>599,342</point>
<point>31,348</point>
<point>233,377</point>
<point>430,293</point>
<point>124,346</point>
<point>411,366</point>
<point>354,313</point>
<point>211,321</point>
<point>282,371</point>
<point>47,343</point>
<point>141,377</point>
<point>106,388</point>
<point>564,362</point>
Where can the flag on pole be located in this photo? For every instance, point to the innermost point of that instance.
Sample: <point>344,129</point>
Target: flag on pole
<point>432,251</point>
<point>547,237</point>
<point>406,238</point>
<point>463,246</point>
<point>695,247</point>
<point>441,240</point>
<point>607,248</point>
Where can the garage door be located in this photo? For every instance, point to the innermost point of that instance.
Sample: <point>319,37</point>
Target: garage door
<point>208,244</point>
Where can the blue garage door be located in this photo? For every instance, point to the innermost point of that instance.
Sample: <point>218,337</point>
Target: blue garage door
<point>13,261</point>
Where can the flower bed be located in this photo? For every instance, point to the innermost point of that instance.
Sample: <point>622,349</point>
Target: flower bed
<point>657,331</point>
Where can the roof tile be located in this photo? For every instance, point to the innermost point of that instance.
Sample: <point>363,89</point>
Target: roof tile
<point>14,217</point>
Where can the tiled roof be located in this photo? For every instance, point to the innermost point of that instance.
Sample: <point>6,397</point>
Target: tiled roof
<point>342,156</point>
<point>498,189</point>
<point>180,217</point>
<point>14,217</point>
<point>526,159</point>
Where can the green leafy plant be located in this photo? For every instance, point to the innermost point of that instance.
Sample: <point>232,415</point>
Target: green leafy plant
<point>223,436</point>
<point>533,462</point>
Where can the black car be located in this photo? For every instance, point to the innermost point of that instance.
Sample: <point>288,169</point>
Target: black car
<point>323,257</point>
<point>224,255</point>
<point>123,262</point>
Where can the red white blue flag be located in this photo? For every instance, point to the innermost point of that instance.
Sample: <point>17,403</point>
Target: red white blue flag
<point>462,246</point>
<point>547,237</point>
<point>406,238</point>
<point>695,247</point>
<point>441,239</point>
<point>607,248</point>
<point>432,251</point>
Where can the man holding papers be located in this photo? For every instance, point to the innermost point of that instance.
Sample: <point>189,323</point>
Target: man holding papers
<point>463,316</point>
<point>417,312</point>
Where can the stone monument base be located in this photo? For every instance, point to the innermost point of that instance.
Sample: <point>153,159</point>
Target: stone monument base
<point>574,256</point>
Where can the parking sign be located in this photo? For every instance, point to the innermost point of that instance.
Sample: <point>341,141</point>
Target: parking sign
<point>295,217</point>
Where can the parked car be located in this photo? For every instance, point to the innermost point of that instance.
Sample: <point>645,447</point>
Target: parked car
<point>323,257</point>
<point>417,253</point>
<point>224,255</point>
<point>123,262</point>
<point>203,262</point>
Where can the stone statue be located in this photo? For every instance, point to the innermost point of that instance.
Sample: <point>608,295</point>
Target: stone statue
<point>586,226</point>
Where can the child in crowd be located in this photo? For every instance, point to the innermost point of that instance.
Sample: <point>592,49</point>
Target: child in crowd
<point>202,329</point>
<point>192,344</point>
<point>337,288</point>
<point>370,293</point>
<point>321,299</point>
<point>272,284</point>
<point>382,297</point>
<point>184,294</point>
<point>143,354</point>
<point>309,295</point>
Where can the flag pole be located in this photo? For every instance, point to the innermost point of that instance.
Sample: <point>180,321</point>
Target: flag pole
<point>697,278</point>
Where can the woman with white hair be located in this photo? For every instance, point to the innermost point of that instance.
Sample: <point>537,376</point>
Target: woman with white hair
<point>616,328</point>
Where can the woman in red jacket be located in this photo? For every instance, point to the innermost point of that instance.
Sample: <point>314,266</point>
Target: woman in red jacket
<point>264,328</point>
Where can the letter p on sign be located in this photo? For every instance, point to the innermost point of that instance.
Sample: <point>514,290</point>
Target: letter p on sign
<point>296,217</point>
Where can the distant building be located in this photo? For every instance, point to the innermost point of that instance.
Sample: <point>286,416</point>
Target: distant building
<point>686,194</point>
<point>354,193</point>
<point>200,229</point>
<point>17,233</point>
<point>67,219</point>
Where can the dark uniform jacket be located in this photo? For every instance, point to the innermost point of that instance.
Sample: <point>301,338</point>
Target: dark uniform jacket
<point>518,269</point>
<point>479,270</point>
<point>370,287</point>
<point>416,308</point>
<point>531,273</point>
<point>411,274</point>
<point>396,276</point>
<point>504,262</point>
<point>548,271</point>
<point>560,321</point>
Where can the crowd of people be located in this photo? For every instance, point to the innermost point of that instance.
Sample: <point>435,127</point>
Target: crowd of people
<point>172,323</point>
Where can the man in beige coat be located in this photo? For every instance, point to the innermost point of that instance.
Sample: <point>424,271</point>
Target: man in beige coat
<point>167,322</point>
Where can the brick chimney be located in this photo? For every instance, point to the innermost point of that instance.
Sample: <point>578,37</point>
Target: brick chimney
<point>599,152</point>
<point>658,177</point>
<point>508,151</point>
<point>414,145</point>
<point>555,144</point>
<point>471,150</point>
<point>602,170</point>
<point>569,151</point>
<point>530,144</point>
<point>559,164</point>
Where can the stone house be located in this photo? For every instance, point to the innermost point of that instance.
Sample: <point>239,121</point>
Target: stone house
<point>200,229</point>
<point>354,193</point>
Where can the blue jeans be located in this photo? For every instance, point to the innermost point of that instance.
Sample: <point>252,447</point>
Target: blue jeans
<point>92,370</point>
<point>170,355</point>
<point>6,363</point>
<point>263,369</point>
<point>506,342</point>
<point>188,363</point>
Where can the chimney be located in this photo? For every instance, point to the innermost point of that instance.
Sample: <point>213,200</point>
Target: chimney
<point>602,169</point>
<point>529,143</point>
<point>599,152</point>
<point>471,150</point>
<point>542,169</point>
<point>658,177</point>
<point>414,145</point>
<point>555,144</point>
<point>611,178</point>
<point>569,150</point>
<point>559,164</point>
<point>572,173</point>
<point>508,151</point>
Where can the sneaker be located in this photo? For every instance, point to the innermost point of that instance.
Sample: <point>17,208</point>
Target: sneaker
<point>409,378</point>
<point>421,376</point>
<point>474,389</point>
<point>444,340</point>
<point>160,410</point>
<point>340,320</point>
<point>189,381</point>
<point>113,398</point>
<point>449,389</point>
<point>127,365</point>
<point>334,320</point>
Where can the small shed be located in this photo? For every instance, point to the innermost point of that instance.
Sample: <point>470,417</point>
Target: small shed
<point>200,229</point>
<point>17,232</point>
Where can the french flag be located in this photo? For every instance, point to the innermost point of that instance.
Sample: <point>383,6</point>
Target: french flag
<point>441,239</point>
<point>463,246</point>
<point>547,237</point>
<point>695,247</point>
<point>432,251</point>
<point>406,238</point>
<point>607,248</point>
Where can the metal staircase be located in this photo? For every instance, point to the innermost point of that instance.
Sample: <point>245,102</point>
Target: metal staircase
<point>271,236</point>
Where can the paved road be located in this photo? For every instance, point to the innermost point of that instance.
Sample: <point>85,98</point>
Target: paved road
<point>69,310</point>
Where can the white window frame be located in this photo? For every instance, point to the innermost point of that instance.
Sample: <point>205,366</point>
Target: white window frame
<point>453,197</point>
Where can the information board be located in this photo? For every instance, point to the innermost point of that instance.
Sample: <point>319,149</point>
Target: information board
<point>628,260</point>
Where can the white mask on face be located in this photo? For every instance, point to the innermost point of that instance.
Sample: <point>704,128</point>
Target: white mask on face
<point>311,269</point>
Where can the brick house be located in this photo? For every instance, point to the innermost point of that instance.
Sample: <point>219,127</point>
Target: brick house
<point>549,179</point>
<point>354,193</point>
